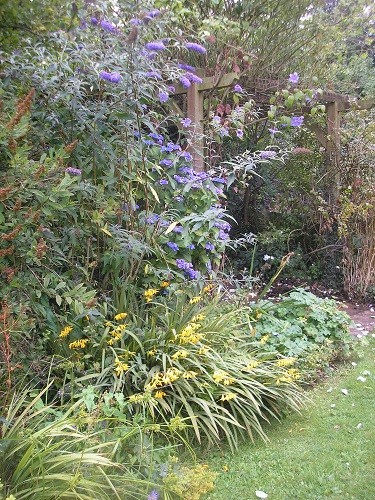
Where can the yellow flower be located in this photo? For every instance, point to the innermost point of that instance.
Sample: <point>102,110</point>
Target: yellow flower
<point>152,352</point>
<point>228,396</point>
<point>203,350</point>
<point>120,328</point>
<point>79,344</point>
<point>224,377</point>
<point>149,294</point>
<point>258,315</point>
<point>293,374</point>
<point>264,339</point>
<point>120,316</point>
<point>180,355</point>
<point>195,300</point>
<point>190,374</point>
<point>208,288</point>
<point>285,362</point>
<point>120,367</point>
<point>189,334</point>
<point>138,398</point>
<point>159,394</point>
<point>197,318</point>
<point>164,284</point>
<point>253,364</point>
<point>107,323</point>
<point>65,332</point>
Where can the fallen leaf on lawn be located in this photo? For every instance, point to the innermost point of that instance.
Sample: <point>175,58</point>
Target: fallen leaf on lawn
<point>330,389</point>
<point>359,426</point>
<point>361,379</point>
<point>261,494</point>
<point>366,372</point>
<point>345,391</point>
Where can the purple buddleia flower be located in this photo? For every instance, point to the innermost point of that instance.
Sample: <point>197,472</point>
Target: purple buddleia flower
<point>157,137</point>
<point>148,142</point>
<point>223,235</point>
<point>94,21</point>
<point>220,180</point>
<point>237,88</point>
<point>135,21</point>
<point>195,47</point>
<point>73,171</point>
<point>193,78</point>
<point>296,121</point>
<point>152,219</point>
<point>163,96</point>
<point>166,162</point>
<point>171,89</point>
<point>163,182</point>
<point>170,147</point>
<point>107,26</point>
<point>185,82</point>
<point>178,229</point>
<point>153,13</point>
<point>187,156</point>
<point>294,78</point>
<point>180,180</point>
<point>186,67</point>
<point>179,198</point>
<point>155,46</point>
<point>267,154</point>
<point>154,495</point>
<point>191,246</point>
<point>223,132</point>
<point>153,74</point>
<point>186,122</point>
<point>239,133</point>
<point>209,246</point>
<point>110,77</point>
<point>172,246</point>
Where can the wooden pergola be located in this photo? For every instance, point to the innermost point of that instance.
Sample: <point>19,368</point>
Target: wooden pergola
<point>261,89</point>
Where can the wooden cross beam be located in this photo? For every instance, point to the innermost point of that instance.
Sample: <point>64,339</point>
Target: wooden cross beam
<point>195,111</point>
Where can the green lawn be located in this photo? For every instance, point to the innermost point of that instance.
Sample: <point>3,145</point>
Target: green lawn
<point>327,451</point>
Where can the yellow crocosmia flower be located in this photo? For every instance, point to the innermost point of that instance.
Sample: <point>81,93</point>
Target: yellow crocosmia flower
<point>120,367</point>
<point>108,323</point>
<point>219,376</point>
<point>197,318</point>
<point>229,381</point>
<point>79,344</point>
<point>293,373</point>
<point>286,362</point>
<point>120,316</point>
<point>151,352</point>
<point>180,355</point>
<point>65,331</point>
<point>253,364</point>
<point>203,351</point>
<point>120,328</point>
<point>190,374</point>
<point>258,315</point>
<point>149,294</point>
<point>264,339</point>
<point>164,284</point>
<point>228,396</point>
<point>111,341</point>
<point>159,394</point>
<point>138,398</point>
<point>195,300</point>
<point>208,288</point>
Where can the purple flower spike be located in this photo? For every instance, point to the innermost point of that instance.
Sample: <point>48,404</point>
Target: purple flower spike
<point>237,88</point>
<point>196,47</point>
<point>107,26</point>
<point>186,122</point>
<point>294,78</point>
<point>163,182</point>
<point>154,495</point>
<point>186,83</point>
<point>193,78</point>
<point>73,171</point>
<point>94,21</point>
<point>209,246</point>
<point>297,121</point>
<point>186,67</point>
<point>163,96</point>
<point>110,77</point>
<point>155,46</point>
<point>172,246</point>
<point>153,74</point>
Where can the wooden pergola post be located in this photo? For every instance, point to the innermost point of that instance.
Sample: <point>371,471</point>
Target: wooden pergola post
<point>333,146</point>
<point>195,111</point>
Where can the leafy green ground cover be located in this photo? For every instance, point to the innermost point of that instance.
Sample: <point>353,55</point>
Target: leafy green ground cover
<point>326,451</point>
